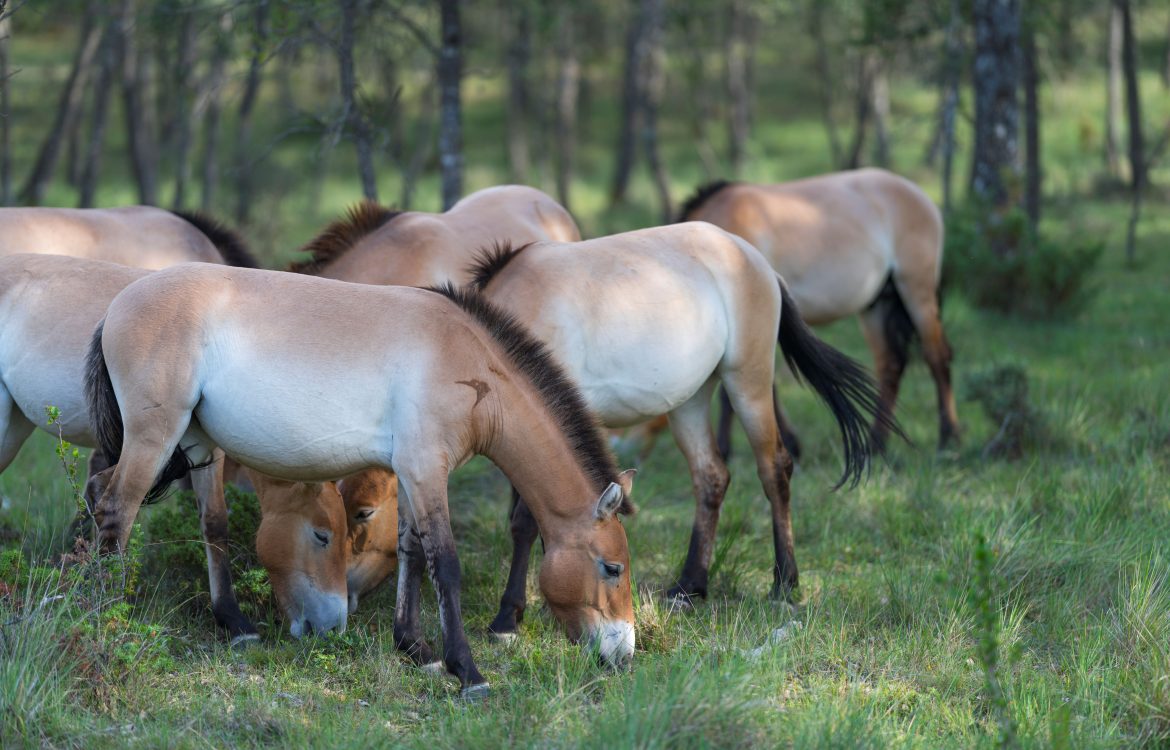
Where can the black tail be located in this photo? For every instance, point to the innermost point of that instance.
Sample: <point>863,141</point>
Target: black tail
<point>230,244</point>
<point>841,382</point>
<point>106,418</point>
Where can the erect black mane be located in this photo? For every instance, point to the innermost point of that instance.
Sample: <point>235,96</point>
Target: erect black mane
<point>489,261</point>
<point>533,359</point>
<point>229,243</point>
<point>701,195</point>
<point>336,239</point>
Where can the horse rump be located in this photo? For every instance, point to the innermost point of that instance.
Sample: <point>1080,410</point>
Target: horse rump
<point>842,383</point>
<point>106,420</point>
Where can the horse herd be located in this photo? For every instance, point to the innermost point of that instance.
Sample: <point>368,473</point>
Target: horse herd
<point>346,391</point>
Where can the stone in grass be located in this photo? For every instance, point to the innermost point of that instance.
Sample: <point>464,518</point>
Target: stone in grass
<point>775,638</point>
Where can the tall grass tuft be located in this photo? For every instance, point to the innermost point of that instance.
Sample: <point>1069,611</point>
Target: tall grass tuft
<point>988,641</point>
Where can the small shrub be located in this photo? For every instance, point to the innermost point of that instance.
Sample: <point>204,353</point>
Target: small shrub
<point>1042,278</point>
<point>1021,427</point>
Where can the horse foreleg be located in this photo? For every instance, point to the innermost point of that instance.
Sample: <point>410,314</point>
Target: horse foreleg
<point>431,519</point>
<point>515,597</point>
<point>408,636</point>
<point>208,485</point>
<point>709,477</point>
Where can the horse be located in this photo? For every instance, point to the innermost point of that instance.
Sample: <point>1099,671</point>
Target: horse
<point>43,346</point>
<point>373,244</point>
<point>138,236</point>
<point>648,323</point>
<point>865,242</point>
<point>311,379</point>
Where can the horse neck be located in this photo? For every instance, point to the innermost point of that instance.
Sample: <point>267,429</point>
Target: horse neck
<point>529,446</point>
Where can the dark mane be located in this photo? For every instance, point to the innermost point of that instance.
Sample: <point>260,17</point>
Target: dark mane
<point>701,195</point>
<point>489,261</point>
<point>229,243</point>
<point>560,394</point>
<point>336,239</point>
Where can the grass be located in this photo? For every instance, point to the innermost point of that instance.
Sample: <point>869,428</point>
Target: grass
<point>890,649</point>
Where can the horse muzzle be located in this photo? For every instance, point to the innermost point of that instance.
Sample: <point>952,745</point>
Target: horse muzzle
<point>614,641</point>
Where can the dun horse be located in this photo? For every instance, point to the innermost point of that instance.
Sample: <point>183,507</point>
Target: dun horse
<point>648,323</point>
<point>43,346</point>
<point>196,358</point>
<point>866,243</point>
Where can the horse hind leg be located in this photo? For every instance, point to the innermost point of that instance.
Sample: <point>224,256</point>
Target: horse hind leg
<point>754,402</point>
<point>208,485</point>
<point>15,428</point>
<point>692,431</point>
<point>787,431</point>
<point>888,330</point>
<point>919,297</point>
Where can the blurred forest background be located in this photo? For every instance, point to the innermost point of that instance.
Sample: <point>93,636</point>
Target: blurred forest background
<point>275,114</point>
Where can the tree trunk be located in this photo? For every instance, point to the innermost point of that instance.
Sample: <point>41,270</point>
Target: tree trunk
<point>87,182</point>
<point>244,117</point>
<point>949,101</point>
<point>627,135</point>
<point>212,90</point>
<point>825,76</point>
<point>450,104</point>
<point>139,126</point>
<point>880,107</point>
<point>1166,62</point>
<point>702,106</point>
<point>1113,95</point>
<point>68,110</point>
<point>185,60</point>
<point>355,119</point>
<point>568,82</point>
<point>654,80</point>
<point>996,79</point>
<point>1031,75</point>
<point>737,55</point>
<point>863,108</point>
<point>519,109</point>
<point>1133,107</point>
<point>5,111</point>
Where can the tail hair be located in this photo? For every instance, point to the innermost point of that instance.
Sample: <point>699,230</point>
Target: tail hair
<point>106,420</point>
<point>227,241</point>
<point>841,382</point>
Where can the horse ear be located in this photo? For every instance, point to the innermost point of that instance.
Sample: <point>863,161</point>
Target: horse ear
<point>626,480</point>
<point>609,502</point>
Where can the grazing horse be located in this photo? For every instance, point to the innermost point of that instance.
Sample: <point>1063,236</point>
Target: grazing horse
<point>864,242</point>
<point>648,323</point>
<point>43,345</point>
<point>138,236</point>
<point>312,379</point>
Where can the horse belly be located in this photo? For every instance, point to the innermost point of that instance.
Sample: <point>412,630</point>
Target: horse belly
<point>654,371</point>
<point>298,426</point>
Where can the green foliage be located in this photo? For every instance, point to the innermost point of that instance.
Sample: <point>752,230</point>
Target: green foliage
<point>1040,278</point>
<point>988,641</point>
<point>1021,428</point>
<point>174,547</point>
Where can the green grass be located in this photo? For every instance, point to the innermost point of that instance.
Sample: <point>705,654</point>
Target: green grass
<point>888,653</point>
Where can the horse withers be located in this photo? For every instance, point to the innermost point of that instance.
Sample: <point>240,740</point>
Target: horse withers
<point>311,379</point>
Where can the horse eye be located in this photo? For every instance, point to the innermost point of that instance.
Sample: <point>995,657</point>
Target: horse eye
<point>364,514</point>
<point>611,570</point>
<point>322,537</point>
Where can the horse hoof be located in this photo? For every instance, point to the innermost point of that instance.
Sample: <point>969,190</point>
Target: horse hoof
<point>679,603</point>
<point>244,640</point>
<point>503,637</point>
<point>435,668</point>
<point>475,693</point>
